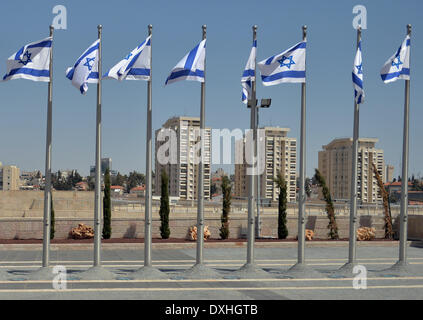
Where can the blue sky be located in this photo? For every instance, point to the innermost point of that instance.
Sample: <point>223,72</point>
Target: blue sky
<point>177,29</point>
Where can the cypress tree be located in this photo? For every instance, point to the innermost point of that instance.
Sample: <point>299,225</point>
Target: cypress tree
<point>52,219</point>
<point>107,208</point>
<point>164,207</point>
<point>330,210</point>
<point>226,208</point>
<point>282,202</point>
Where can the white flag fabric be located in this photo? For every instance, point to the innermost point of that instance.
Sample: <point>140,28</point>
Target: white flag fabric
<point>398,66</point>
<point>249,74</point>
<point>135,66</point>
<point>191,67</point>
<point>85,69</point>
<point>357,76</point>
<point>31,62</point>
<point>288,66</point>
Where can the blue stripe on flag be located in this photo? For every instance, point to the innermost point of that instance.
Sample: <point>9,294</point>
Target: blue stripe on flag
<point>248,73</point>
<point>93,75</point>
<point>29,71</point>
<point>42,44</point>
<point>389,76</point>
<point>284,74</point>
<point>139,72</point>
<point>357,81</point>
<point>184,73</point>
<point>191,57</point>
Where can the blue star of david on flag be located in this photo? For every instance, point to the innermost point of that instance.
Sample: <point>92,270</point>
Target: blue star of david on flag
<point>128,56</point>
<point>88,63</point>
<point>398,63</point>
<point>27,54</point>
<point>359,69</point>
<point>289,64</point>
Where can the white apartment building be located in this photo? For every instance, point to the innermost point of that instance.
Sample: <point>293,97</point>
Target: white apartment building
<point>9,178</point>
<point>280,156</point>
<point>335,164</point>
<point>183,172</point>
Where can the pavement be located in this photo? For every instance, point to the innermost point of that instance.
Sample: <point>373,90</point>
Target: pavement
<point>273,282</point>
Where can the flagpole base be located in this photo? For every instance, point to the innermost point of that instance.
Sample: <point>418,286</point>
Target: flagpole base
<point>201,271</point>
<point>148,273</point>
<point>96,273</point>
<point>346,271</point>
<point>302,271</point>
<point>251,271</point>
<point>43,273</point>
<point>399,269</point>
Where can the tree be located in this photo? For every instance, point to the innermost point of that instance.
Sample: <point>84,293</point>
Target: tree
<point>307,187</point>
<point>107,208</point>
<point>330,210</point>
<point>164,207</point>
<point>135,179</point>
<point>52,218</point>
<point>118,180</point>
<point>226,207</point>
<point>282,221</point>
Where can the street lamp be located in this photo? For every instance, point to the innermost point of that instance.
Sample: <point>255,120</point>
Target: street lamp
<point>265,103</point>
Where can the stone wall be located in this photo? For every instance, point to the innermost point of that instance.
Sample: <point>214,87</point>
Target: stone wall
<point>21,215</point>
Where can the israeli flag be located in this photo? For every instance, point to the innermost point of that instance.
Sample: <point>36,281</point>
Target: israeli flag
<point>31,62</point>
<point>398,66</point>
<point>191,67</point>
<point>249,74</point>
<point>357,76</point>
<point>288,66</point>
<point>135,66</point>
<point>85,69</point>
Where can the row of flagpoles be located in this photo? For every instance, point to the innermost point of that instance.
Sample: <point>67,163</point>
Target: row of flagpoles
<point>34,62</point>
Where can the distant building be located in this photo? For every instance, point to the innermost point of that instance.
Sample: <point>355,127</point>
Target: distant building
<point>31,180</point>
<point>183,175</point>
<point>389,173</point>
<point>117,190</point>
<point>281,156</point>
<point>82,186</point>
<point>335,163</point>
<point>138,191</point>
<point>9,178</point>
<point>106,163</point>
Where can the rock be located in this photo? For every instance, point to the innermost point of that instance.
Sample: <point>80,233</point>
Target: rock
<point>366,234</point>
<point>309,235</point>
<point>82,232</point>
<point>192,233</point>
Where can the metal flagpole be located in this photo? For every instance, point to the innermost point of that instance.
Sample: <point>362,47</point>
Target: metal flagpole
<point>97,205</point>
<point>200,188</point>
<point>353,197</point>
<point>404,184</point>
<point>147,236</point>
<point>251,177</point>
<point>301,200</point>
<point>258,201</point>
<point>47,188</point>
<point>300,269</point>
<point>199,270</point>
